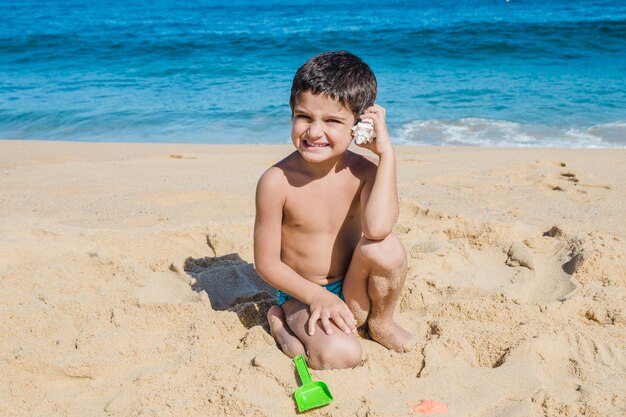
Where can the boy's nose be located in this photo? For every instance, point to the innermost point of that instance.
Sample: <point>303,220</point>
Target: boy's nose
<point>315,130</point>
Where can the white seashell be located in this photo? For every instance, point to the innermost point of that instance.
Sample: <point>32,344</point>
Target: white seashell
<point>363,132</point>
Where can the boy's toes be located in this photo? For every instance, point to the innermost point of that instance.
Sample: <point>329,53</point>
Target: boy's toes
<point>411,344</point>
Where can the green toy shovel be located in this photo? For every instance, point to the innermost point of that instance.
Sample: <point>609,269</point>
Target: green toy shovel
<point>312,393</point>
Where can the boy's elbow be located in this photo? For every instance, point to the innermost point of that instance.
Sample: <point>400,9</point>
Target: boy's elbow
<point>377,232</point>
<point>261,268</point>
<point>264,269</point>
<point>378,228</point>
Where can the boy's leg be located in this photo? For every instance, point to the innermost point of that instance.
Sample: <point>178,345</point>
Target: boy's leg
<point>288,342</point>
<point>323,351</point>
<point>372,288</point>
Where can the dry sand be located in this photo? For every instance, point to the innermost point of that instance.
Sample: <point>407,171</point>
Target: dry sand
<point>127,286</point>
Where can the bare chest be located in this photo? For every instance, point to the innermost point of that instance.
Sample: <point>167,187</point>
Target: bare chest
<point>323,206</point>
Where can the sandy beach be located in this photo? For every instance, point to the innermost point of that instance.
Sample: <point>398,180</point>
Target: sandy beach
<point>127,285</point>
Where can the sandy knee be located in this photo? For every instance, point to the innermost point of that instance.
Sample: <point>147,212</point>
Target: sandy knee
<point>336,353</point>
<point>387,254</point>
<point>360,312</point>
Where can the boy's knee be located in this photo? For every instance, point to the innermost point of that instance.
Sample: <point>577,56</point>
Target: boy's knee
<point>388,254</point>
<point>337,354</point>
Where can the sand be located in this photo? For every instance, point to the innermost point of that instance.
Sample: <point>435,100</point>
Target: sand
<point>128,288</point>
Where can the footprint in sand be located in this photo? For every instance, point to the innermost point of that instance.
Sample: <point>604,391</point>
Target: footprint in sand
<point>568,180</point>
<point>569,176</point>
<point>562,181</point>
<point>456,252</point>
<point>550,175</point>
<point>549,263</point>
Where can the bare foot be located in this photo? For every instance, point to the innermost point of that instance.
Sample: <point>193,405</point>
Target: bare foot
<point>392,336</point>
<point>283,335</point>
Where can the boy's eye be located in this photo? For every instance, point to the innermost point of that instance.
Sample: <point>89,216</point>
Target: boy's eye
<point>334,121</point>
<point>302,116</point>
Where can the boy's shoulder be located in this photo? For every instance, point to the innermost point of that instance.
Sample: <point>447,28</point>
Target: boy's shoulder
<point>363,162</point>
<point>362,166</point>
<point>290,167</point>
<point>356,162</point>
<point>273,177</point>
<point>278,172</point>
<point>276,176</point>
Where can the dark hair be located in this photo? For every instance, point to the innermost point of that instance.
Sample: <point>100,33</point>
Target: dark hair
<point>341,75</point>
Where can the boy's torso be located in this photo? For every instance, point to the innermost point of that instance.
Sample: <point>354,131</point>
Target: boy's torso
<point>322,220</point>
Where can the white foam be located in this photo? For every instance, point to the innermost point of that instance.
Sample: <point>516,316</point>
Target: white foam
<point>502,133</point>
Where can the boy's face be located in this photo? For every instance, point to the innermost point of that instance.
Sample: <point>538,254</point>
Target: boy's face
<point>321,127</point>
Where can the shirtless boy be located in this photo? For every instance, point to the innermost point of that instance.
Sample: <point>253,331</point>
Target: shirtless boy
<point>324,216</point>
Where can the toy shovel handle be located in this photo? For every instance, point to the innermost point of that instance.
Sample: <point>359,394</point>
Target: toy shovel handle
<point>303,371</point>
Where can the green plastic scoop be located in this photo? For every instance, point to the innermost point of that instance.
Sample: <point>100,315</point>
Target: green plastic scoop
<point>311,394</point>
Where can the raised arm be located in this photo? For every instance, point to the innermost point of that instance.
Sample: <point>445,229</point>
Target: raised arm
<point>379,196</point>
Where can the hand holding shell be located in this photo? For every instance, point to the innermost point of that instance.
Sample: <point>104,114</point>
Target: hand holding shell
<point>363,132</point>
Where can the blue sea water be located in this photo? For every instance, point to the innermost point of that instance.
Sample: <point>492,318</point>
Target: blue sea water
<point>486,73</point>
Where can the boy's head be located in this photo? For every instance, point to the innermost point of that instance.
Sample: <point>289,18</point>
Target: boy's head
<point>339,74</point>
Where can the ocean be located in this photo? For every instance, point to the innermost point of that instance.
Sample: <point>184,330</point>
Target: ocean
<point>478,73</point>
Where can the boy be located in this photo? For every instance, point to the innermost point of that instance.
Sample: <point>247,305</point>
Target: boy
<point>324,215</point>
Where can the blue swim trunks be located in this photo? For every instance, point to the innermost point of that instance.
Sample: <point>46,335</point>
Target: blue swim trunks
<point>335,288</point>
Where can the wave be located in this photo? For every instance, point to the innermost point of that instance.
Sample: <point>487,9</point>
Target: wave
<point>502,133</point>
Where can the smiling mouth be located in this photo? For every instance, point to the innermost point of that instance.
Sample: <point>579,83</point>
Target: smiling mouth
<point>314,145</point>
